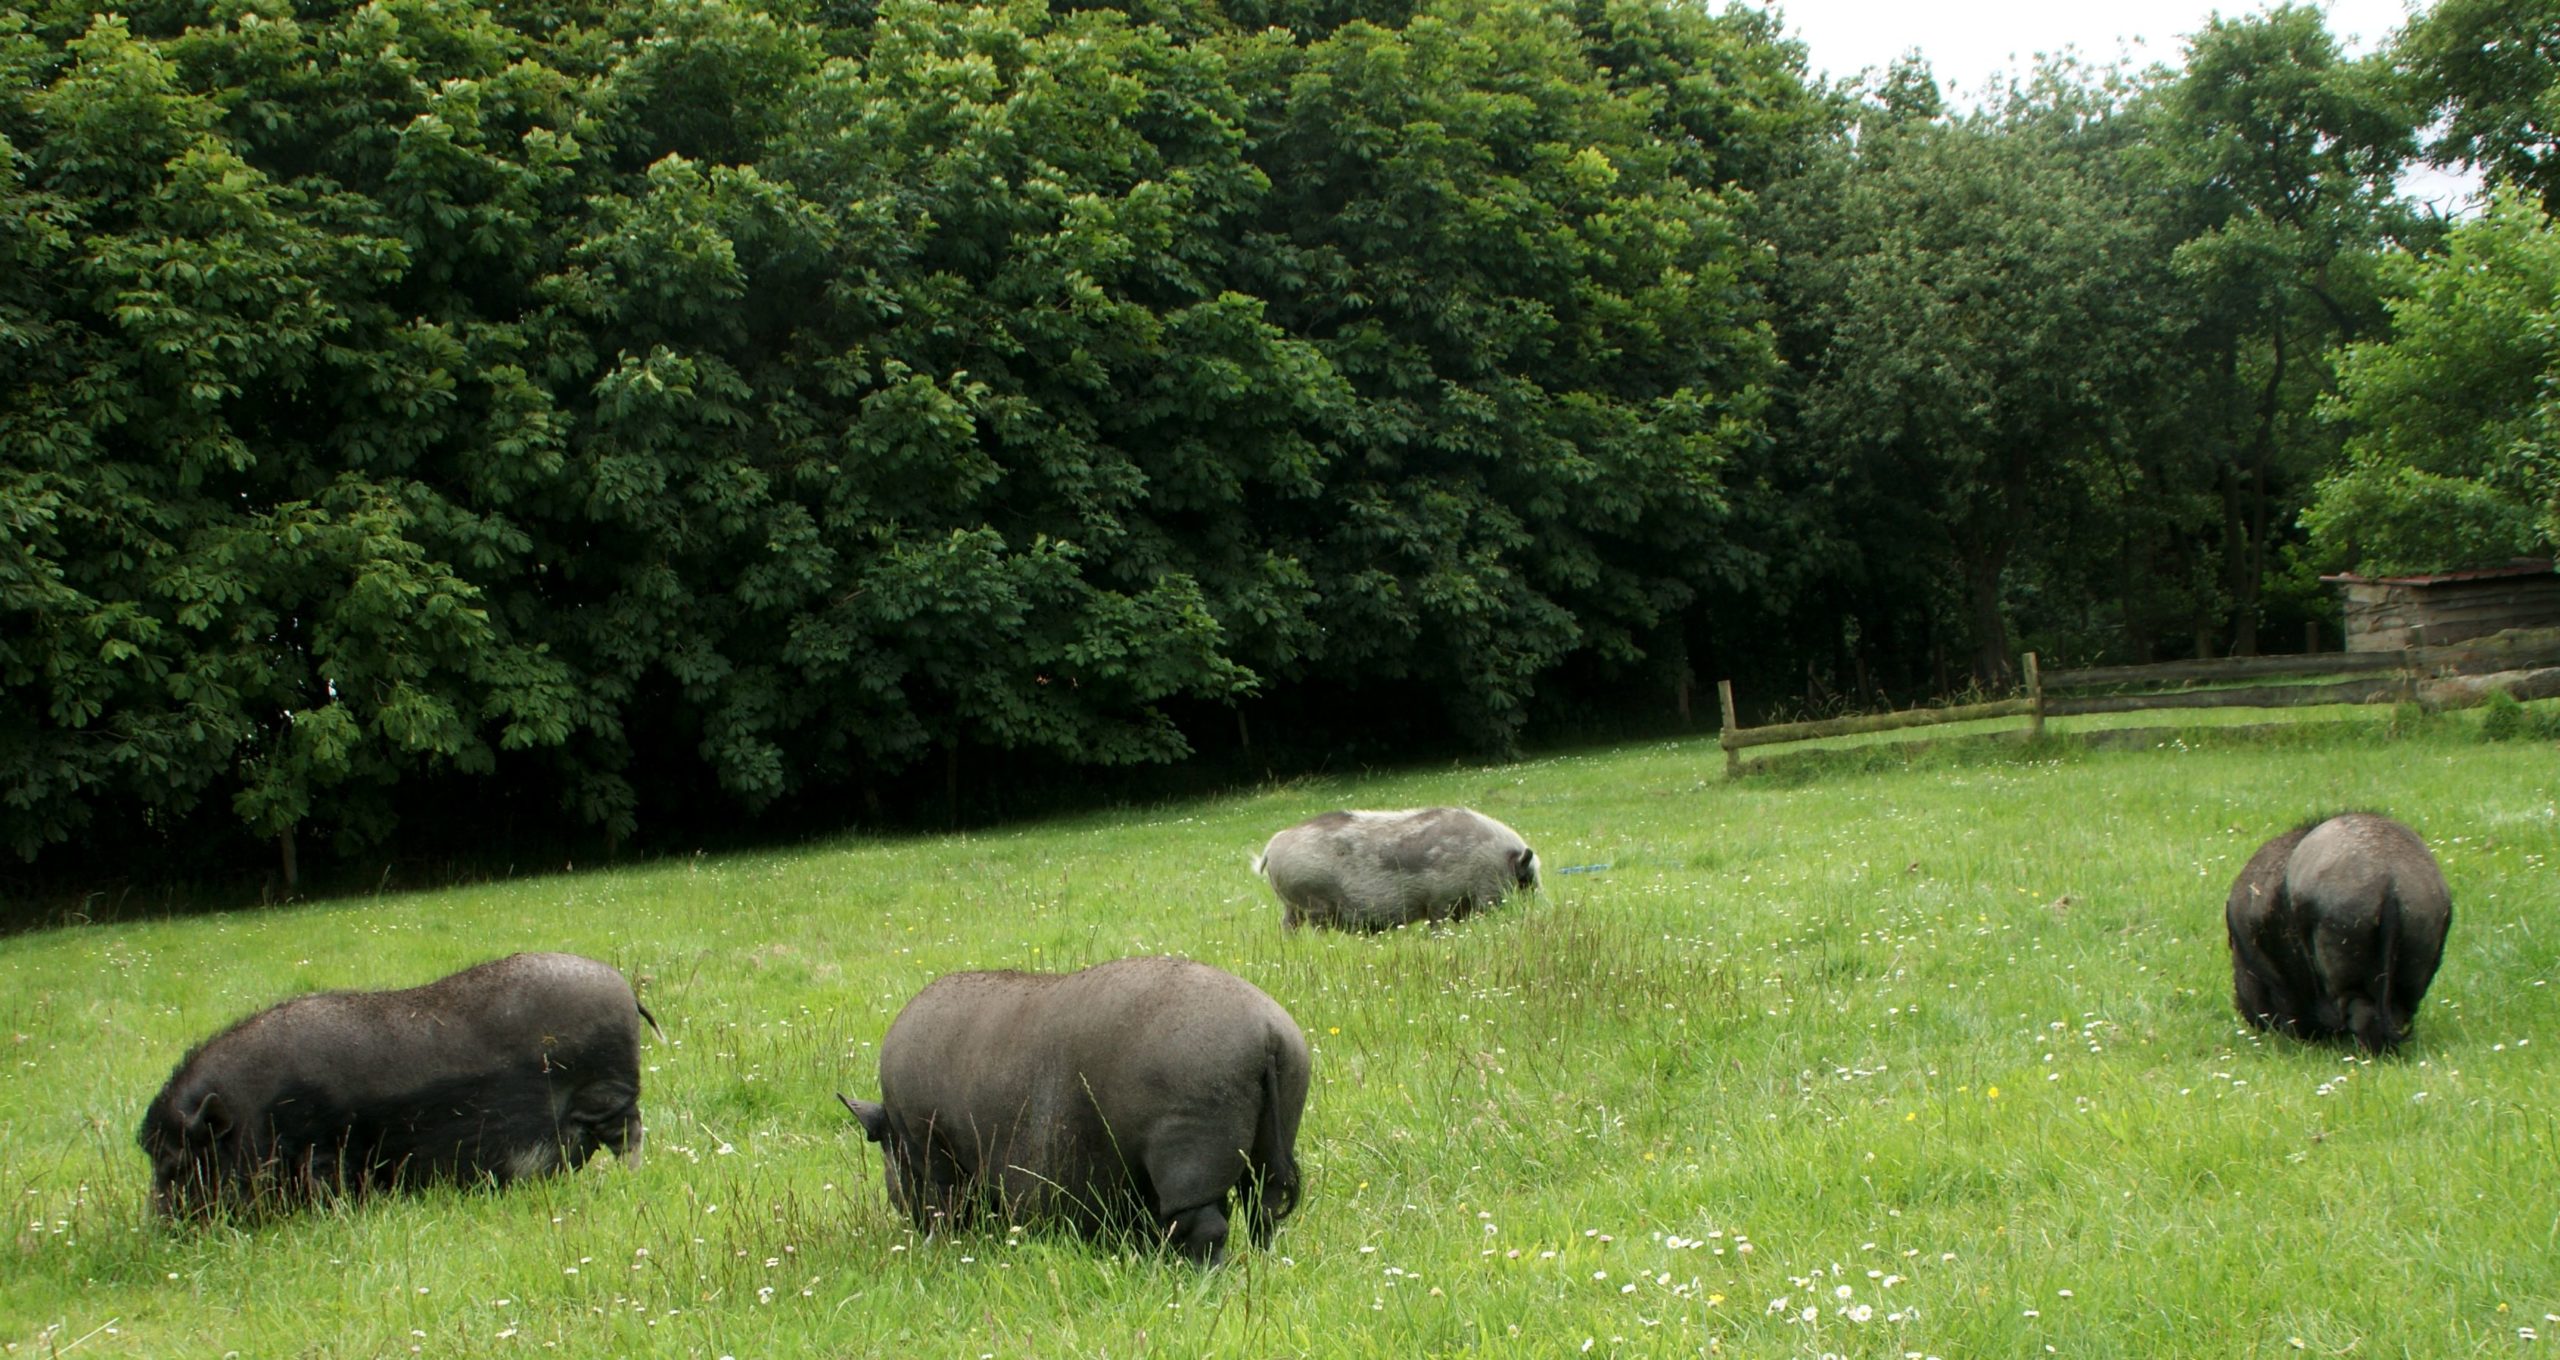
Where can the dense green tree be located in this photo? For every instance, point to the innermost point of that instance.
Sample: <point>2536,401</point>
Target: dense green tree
<point>868,501</point>
<point>2453,444</point>
<point>218,581</point>
<point>424,417</point>
<point>406,402</point>
<point>1550,343</point>
<point>1727,90</point>
<point>2276,157</point>
<point>677,410</point>
<point>1981,304</point>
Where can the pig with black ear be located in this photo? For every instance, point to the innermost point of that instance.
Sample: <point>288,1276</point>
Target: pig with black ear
<point>524,1066</point>
<point>1380,870</point>
<point>1151,1098</point>
<point>2336,929</point>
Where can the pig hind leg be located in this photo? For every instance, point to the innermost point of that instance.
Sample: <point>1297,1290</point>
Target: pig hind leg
<point>604,1114</point>
<point>1266,1199</point>
<point>2413,966</point>
<point>1271,1169</point>
<point>1190,1186</point>
<point>1200,1233</point>
<point>2355,966</point>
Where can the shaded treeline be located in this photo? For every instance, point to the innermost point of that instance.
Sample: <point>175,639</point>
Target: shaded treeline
<point>431,427</point>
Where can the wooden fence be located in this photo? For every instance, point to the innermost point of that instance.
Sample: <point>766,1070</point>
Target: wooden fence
<point>2411,675</point>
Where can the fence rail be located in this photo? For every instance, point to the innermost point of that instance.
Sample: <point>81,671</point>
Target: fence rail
<point>2234,669</point>
<point>2389,689</point>
<point>2408,674</point>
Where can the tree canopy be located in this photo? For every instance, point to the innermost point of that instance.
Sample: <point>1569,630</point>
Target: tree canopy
<point>2487,75</point>
<point>622,407</point>
<point>1983,295</point>
<point>2453,455</point>
<point>425,422</point>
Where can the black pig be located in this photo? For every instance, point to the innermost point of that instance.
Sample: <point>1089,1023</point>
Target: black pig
<point>2336,929</point>
<point>519,1067</point>
<point>1133,1097</point>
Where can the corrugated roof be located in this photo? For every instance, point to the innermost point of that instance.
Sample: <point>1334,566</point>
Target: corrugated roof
<point>2522,566</point>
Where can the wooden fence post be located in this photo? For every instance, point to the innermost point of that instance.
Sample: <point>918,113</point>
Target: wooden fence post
<point>1732,757</point>
<point>2035,701</point>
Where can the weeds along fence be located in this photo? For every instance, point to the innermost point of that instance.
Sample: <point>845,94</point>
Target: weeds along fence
<point>2522,662</point>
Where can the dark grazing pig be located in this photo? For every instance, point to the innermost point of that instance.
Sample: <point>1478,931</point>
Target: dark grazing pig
<point>2336,929</point>
<point>1131,1098</point>
<point>1379,870</point>
<point>519,1067</point>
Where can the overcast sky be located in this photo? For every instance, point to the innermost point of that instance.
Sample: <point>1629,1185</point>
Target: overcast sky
<point>1968,42</point>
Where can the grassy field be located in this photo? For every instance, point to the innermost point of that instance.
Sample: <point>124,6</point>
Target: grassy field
<point>1870,1059</point>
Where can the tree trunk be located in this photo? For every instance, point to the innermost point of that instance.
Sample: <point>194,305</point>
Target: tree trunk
<point>2235,556</point>
<point>951,782</point>
<point>1990,629</point>
<point>2245,509</point>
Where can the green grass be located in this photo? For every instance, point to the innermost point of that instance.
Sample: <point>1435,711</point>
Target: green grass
<point>1938,1047</point>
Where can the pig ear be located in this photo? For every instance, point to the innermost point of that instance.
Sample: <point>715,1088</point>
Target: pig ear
<point>1524,867</point>
<point>210,1120</point>
<point>874,1118</point>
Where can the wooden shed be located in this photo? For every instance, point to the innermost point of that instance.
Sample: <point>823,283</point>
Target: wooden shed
<point>2384,613</point>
